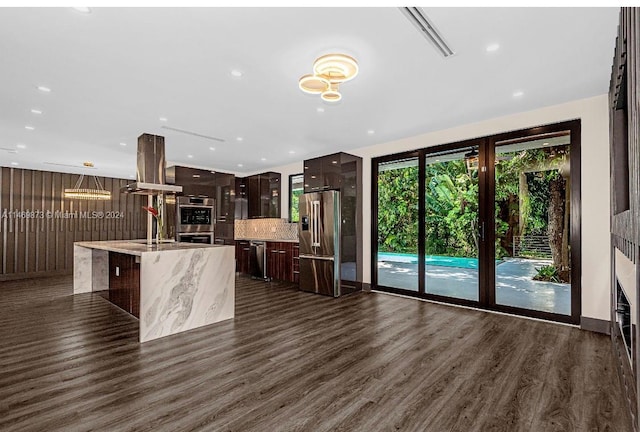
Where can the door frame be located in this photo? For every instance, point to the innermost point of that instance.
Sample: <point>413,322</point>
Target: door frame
<point>486,203</point>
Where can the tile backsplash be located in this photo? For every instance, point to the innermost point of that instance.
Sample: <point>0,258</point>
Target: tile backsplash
<point>266,229</point>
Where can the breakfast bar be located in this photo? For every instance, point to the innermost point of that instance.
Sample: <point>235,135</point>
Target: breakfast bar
<point>175,286</point>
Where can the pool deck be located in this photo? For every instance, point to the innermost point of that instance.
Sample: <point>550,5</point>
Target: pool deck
<point>514,283</point>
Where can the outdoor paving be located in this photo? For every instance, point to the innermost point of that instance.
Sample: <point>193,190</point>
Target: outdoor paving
<point>514,283</point>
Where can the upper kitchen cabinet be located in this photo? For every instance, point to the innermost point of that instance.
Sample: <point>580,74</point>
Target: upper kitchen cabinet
<point>195,182</point>
<point>331,172</point>
<point>258,196</point>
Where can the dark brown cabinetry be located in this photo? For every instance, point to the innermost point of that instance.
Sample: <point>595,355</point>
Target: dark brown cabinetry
<point>327,172</point>
<point>243,250</point>
<point>124,282</point>
<point>211,184</point>
<point>281,257</point>
<point>280,261</point>
<point>258,196</point>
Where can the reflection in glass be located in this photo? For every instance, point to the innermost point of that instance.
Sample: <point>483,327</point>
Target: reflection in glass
<point>532,227</point>
<point>398,224</point>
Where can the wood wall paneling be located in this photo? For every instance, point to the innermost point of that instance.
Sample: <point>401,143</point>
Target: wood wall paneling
<point>41,243</point>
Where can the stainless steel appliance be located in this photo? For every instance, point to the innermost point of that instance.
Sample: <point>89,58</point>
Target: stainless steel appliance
<point>195,219</point>
<point>319,233</point>
<point>257,260</point>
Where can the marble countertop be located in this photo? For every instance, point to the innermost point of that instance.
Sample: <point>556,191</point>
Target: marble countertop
<point>138,247</point>
<point>268,240</point>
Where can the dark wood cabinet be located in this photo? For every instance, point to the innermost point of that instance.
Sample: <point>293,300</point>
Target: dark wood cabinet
<point>280,262</point>
<point>124,282</point>
<point>258,196</point>
<point>282,259</point>
<point>326,172</point>
<point>243,250</point>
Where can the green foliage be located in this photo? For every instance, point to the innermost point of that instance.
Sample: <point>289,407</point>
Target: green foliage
<point>295,199</point>
<point>547,273</point>
<point>451,222</point>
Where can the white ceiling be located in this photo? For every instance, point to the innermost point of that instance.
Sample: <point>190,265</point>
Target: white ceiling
<point>114,72</point>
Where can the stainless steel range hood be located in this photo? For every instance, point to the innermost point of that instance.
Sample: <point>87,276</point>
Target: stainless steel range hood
<point>150,173</point>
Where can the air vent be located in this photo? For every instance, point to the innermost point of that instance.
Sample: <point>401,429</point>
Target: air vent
<point>192,133</point>
<point>69,165</point>
<point>9,150</point>
<point>428,30</point>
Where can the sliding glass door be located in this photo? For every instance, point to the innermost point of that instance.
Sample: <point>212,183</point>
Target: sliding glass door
<point>452,229</point>
<point>491,222</point>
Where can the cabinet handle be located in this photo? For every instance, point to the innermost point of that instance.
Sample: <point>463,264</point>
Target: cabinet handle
<point>282,252</point>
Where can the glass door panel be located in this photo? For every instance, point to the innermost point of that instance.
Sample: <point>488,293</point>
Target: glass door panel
<point>532,223</point>
<point>397,258</point>
<point>452,230</point>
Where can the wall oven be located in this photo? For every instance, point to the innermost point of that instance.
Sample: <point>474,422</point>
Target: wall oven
<point>195,219</point>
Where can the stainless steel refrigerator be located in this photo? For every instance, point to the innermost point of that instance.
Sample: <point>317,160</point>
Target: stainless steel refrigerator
<point>319,232</point>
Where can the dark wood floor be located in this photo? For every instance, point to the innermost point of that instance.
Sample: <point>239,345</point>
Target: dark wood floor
<point>293,361</point>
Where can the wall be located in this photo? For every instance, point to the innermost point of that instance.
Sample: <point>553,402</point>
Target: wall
<point>595,184</point>
<point>38,226</point>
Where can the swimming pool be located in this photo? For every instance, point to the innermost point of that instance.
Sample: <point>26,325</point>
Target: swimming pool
<point>435,260</point>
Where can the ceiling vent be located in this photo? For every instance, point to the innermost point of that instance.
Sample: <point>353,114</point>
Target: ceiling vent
<point>192,133</point>
<point>428,30</point>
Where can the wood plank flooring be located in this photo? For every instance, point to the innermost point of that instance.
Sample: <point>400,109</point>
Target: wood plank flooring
<point>293,361</point>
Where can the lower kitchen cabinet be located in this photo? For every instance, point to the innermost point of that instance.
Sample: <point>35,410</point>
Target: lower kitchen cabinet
<point>282,260</point>
<point>243,254</point>
<point>124,282</point>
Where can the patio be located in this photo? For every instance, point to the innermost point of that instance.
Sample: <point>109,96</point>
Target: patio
<point>514,283</point>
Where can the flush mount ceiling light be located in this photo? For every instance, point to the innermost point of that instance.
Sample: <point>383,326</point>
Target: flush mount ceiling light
<point>77,192</point>
<point>329,71</point>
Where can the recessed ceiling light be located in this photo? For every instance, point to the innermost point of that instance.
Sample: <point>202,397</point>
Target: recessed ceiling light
<point>371,131</point>
<point>212,148</point>
<point>29,128</point>
<point>163,119</point>
<point>83,10</point>
<point>132,176</point>
<point>236,73</point>
<point>123,144</point>
<point>263,159</point>
<point>240,165</point>
<point>320,109</point>
<point>21,146</point>
<point>291,152</point>
<point>519,93</point>
<point>239,138</point>
<point>14,163</point>
<point>44,89</point>
<point>493,47</point>
<point>190,156</point>
<point>36,111</point>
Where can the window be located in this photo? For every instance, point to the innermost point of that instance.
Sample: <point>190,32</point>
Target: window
<point>296,188</point>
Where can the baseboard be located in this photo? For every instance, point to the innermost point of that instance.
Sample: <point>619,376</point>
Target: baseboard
<point>595,325</point>
<point>42,274</point>
<point>366,286</point>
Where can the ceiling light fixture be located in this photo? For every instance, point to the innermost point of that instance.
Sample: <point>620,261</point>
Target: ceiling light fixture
<point>212,148</point>
<point>44,89</point>
<point>14,163</point>
<point>76,192</point>
<point>29,128</point>
<point>371,131</point>
<point>518,94</point>
<point>236,73</point>
<point>35,111</point>
<point>123,144</point>
<point>493,47</point>
<point>329,71</point>
<point>320,109</point>
<point>82,9</point>
<point>163,119</point>
<point>21,146</point>
<point>239,138</point>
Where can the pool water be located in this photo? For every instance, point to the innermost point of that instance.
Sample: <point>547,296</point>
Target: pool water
<point>435,260</point>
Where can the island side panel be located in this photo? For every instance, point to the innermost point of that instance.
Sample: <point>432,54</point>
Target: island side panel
<point>90,269</point>
<point>184,289</point>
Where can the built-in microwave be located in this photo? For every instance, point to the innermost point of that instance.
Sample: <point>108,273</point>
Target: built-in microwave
<point>194,215</point>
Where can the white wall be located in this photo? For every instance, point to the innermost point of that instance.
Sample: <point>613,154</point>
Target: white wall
<point>595,184</point>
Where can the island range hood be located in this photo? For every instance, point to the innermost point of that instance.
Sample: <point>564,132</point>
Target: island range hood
<point>150,172</point>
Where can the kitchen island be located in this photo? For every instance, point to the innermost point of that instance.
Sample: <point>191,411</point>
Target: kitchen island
<point>179,286</point>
